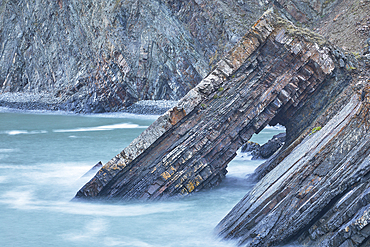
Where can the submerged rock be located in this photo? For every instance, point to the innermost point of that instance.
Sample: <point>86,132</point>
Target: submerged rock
<point>272,145</point>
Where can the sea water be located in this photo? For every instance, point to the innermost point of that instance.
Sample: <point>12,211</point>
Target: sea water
<point>43,158</point>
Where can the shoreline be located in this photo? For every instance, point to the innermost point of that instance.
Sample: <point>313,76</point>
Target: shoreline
<point>46,103</point>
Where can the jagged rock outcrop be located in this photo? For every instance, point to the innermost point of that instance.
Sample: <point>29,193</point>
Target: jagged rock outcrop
<point>270,73</point>
<point>315,190</point>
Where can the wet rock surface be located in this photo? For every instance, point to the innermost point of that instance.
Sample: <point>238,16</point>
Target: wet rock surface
<point>266,150</point>
<point>316,194</point>
<point>92,56</point>
<point>312,192</point>
<point>252,148</point>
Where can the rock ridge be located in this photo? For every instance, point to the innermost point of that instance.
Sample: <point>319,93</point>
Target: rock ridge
<point>188,148</point>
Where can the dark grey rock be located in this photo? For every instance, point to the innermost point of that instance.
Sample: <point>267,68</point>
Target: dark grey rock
<point>97,56</point>
<point>272,145</point>
<point>187,149</point>
<point>266,150</point>
<point>253,149</point>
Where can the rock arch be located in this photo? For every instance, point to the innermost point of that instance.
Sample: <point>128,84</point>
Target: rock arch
<point>268,75</point>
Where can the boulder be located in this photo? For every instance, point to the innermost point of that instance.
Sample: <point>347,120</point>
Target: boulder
<point>272,145</point>
<point>266,150</point>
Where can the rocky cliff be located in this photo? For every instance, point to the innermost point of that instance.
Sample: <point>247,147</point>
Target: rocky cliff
<point>96,56</point>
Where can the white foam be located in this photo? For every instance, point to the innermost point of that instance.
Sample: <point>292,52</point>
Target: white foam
<point>240,170</point>
<point>102,128</point>
<point>243,156</point>
<point>16,132</point>
<point>109,241</point>
<point>96,231</point>
<point>7,150</point>
<point>3,179</point>
<point>276,127</point>
<point>60,174</point>
<point>90,231</point>
<point>117,210</point>
<point>25,199</point>
<point>20,199</point>
<point>19,132</point>
<point>123,115</point>
<point>19,167</point>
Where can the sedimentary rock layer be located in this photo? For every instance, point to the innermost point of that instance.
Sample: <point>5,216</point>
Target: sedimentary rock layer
<point>271,71</point>
<point>318,194</point>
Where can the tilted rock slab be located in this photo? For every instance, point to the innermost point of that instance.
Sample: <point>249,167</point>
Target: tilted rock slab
<point>273,69</point>
<point>319,194</point>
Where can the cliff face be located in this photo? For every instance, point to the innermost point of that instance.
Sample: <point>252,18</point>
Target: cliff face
<point>315,190</point>
<point>93,56</point>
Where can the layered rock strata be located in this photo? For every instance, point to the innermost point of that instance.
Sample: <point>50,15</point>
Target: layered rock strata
<point>318,194</point>
<point>271,72</point>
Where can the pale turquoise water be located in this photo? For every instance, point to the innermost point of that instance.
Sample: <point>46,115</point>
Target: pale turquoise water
<point>42,159</point>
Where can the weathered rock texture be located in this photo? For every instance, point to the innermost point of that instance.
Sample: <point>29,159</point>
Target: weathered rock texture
<point>270,73</point>
<point>316,190</point>
<point>96,56</point>
<point>318,194</point>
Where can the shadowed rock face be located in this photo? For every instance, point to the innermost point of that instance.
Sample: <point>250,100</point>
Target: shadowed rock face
<point>270,72</point>
<point>95,56</point>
